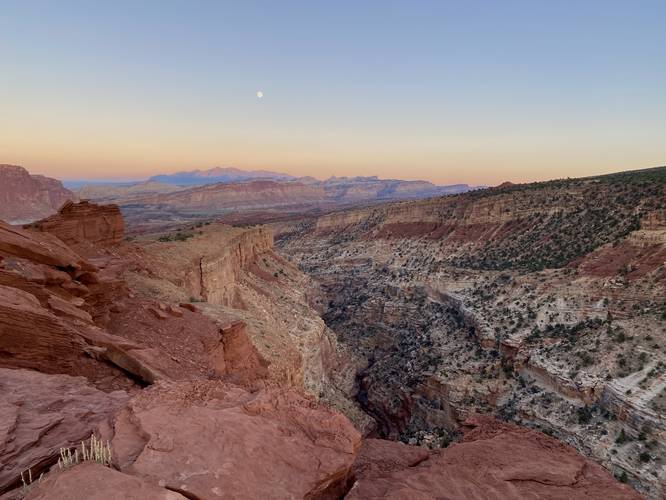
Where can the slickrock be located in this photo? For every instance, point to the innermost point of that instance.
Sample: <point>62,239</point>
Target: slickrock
<point>380,457</point>
<point>91,481</point>
<point>41,413</point>
<point>40,248</point>
<point>213,440</point>
<point>25,197</point>
<point>494,460</point>
<point>33,337</point>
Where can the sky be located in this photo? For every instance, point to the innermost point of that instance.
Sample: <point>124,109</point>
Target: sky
<point>448,91</point>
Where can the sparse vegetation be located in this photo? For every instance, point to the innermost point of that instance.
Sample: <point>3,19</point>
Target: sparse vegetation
<point>27,481</point>
<point>94,450</point>
<point>176,237</point>
<point>621,438</point>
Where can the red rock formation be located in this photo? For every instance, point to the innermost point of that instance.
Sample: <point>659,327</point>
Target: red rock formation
<point>41,413</point>
<point>25,197</point>
<point>91,230</point>
<point>46,293</point>
<point>239,356</point>
<point>209,439</point>
<point>379,457</point>
<point>84,223</point>
<point>44,249</point>
<point>494,460</point>
<point>95,482</point>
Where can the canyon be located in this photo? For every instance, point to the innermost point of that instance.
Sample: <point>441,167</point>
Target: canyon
<point>543,304</point>
<point>419,349</point>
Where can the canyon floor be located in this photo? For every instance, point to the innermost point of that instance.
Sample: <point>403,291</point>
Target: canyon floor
<point>503,343</point>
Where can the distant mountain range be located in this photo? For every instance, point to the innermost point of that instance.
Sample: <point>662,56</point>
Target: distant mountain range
<point>336,187</point>
<point>224,189</point>
<point>217,175</point>
<point>219,187</point>
<point>208,193</point>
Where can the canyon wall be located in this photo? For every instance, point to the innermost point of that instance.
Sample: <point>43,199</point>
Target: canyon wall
<point>233,275</point>
<point>542,304</point>
<point>25,197</point>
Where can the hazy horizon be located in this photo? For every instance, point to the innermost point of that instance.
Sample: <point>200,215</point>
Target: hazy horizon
<point>111,180</point>
<point>449,92</point>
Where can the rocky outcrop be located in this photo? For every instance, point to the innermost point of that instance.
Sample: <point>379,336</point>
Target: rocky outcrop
<point>236,356</point>
<point>25,197</point>
<point>33,336</point>
<point>84,223</point>
<point>42,249</point>
<point>380,457</point>
<point>39,414</point>
<point>49,296</point>
<point>93,481</point>
<point>206,440</point>
<point>494,460</point>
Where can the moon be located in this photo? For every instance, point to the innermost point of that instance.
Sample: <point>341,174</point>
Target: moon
<point>260,94</point>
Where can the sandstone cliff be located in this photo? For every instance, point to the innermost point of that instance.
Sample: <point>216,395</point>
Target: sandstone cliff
<point>25,197</point>
<point>84,224</point>
<point>232,275</point>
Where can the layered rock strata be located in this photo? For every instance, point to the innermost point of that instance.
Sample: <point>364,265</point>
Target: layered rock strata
<point>25,197</point>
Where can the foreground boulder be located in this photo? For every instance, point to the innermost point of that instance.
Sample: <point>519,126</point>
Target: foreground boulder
<point>494,460</point>
<point>42,249</point>
<point>41,413</point>
<point>96,482</point>
<point>213,440</point>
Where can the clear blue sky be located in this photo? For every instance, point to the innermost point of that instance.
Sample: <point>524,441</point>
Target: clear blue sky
<point>468,91</point>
